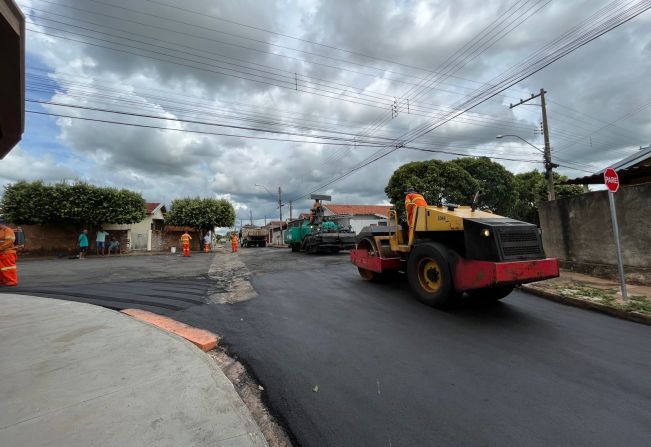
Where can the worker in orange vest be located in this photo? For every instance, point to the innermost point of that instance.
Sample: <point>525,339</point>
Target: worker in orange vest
<point>185,240</point>
<point>234,242</point>
<point>8,271</point>
<point>413,200</point>
<point>206,242</point>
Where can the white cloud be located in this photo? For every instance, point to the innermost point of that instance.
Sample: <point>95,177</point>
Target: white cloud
<point>165,164</point>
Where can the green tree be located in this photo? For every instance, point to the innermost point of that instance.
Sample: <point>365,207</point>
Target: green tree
<point>531,189</point>
<point>79,203</point>
<point>496,183</point>
<point>436,180</point>
<point>203,214</point>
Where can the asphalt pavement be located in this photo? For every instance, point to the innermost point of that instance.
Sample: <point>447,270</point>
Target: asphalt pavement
<point>349,363</point>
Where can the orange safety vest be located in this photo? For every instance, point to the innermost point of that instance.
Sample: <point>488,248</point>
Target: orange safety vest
<point>7,239</point>
<point>234,240</point>
<point>185,238</point>
<point>411,202</point>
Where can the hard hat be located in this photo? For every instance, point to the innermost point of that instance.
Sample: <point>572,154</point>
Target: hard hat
<point>410,190</point>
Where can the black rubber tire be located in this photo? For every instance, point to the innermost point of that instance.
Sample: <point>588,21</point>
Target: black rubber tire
<point>295,247</point>
<point>369,275</point>
<point>429,275</point>
<point>495,293</point>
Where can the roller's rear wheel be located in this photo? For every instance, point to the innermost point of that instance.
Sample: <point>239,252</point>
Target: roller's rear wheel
<point>429,275</point>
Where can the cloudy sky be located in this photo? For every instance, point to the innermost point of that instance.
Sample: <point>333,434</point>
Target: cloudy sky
<point>218,96</point>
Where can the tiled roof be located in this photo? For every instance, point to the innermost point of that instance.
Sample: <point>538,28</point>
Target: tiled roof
<point>173,228</point>
<point>277,224</point>
<point>357,210</point>
<point>636,168</point>
<point>151,206</point>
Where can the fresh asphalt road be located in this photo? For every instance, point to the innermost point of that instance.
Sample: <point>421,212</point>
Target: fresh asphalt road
<point>389,370</point>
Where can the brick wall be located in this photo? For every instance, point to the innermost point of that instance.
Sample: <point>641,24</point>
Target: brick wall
<point>50,239</point>
<point>163,240</point>
<point>61,239</point>
<point>578,231</point>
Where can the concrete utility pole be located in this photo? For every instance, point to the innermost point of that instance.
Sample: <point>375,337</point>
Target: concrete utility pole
<point>551,194</point>
<point>280,205</point>
<point>290,210</point>
<point>251,216</point>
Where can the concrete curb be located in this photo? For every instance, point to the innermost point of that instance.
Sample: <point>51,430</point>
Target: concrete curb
<point>637,317</point>
<point>203,339</point>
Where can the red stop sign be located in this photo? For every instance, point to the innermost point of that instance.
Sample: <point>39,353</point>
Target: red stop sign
<point>611,179</point>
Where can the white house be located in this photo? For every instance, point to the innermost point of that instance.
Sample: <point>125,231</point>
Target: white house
<point>360,215</point>
<point>139,234</point>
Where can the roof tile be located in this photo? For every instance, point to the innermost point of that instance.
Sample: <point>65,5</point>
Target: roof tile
<point>356,210</point>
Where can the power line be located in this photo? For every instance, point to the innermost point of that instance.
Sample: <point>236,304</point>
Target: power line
<point>511,77</point>
<point>188,130</point>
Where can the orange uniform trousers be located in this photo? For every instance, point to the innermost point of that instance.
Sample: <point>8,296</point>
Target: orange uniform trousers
<point>8,271</point>
<point>186,248</point>
<point>234,245</point>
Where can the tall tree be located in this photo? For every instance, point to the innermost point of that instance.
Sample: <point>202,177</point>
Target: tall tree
<point>203,214</point>
<point>436,180</point>
<point>457,181</point>
<point>531,189</point>
<point>495,181</point>
<point>79,203</point>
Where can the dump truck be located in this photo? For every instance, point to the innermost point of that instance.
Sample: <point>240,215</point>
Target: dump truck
<point>252,236</point>
<point>320,233</point>
<point>453,249</point>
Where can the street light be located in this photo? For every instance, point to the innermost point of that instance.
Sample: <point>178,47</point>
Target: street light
<point>547,159</point>
<point>516,136</point>
<point>267,189</point>
<point>280,202</point>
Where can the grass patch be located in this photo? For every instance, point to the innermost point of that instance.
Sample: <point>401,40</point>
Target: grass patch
<point>637,303</point>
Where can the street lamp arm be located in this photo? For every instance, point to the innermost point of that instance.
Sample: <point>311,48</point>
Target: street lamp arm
<point>520,138</point>
<point>266,189</point>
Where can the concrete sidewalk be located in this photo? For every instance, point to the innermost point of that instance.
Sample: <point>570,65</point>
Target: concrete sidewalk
<point>74,374</point>
<point>602,295</point>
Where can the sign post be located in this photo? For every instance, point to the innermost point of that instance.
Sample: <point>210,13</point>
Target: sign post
<point>611,179</point>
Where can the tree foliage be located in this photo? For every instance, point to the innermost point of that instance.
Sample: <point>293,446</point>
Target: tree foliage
<point>496,183</point>
<point>204,214</point>
<point>457,181</point>
<point>79,203</point>
<point>436,180</point>
<point>531,189</point>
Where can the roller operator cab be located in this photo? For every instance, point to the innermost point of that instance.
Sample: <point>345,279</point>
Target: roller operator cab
<point>454,249</point>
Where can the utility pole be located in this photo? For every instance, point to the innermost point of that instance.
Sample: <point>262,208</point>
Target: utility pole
<point>290,210</point>
<point>280,204</point>
<point>549,173</point>
<point>548,150</point>
<point>280,211</point>
<point>251,216</point>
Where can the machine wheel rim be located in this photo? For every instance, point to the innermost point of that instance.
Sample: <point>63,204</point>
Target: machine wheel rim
<point>429,275</point>
<point>366,274</point>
